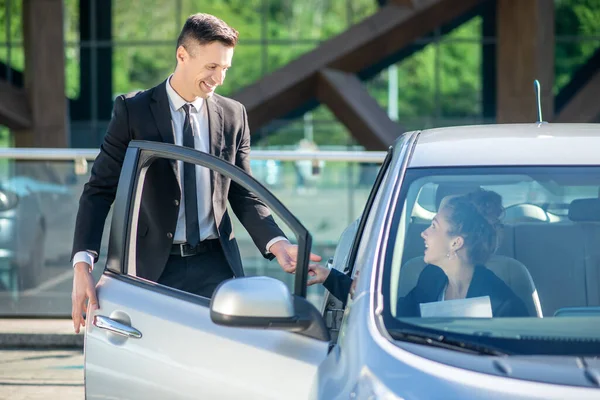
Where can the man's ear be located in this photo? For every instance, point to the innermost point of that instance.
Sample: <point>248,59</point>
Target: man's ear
<point>181,54</point>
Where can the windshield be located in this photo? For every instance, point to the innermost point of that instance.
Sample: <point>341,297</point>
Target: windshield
<point>498,255</point>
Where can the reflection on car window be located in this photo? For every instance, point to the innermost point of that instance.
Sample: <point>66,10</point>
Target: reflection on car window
<point>555,200</point>
<point>511,243</point>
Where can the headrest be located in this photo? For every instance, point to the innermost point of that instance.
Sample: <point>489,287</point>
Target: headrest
<point>453,189</point>
<point>585,210</point>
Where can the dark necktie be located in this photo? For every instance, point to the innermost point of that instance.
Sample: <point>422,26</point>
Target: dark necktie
<point>189,185</point>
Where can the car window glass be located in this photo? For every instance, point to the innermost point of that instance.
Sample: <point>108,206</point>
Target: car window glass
<point>508,243</point>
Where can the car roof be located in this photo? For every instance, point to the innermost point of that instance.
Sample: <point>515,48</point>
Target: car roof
<point>507,144</point>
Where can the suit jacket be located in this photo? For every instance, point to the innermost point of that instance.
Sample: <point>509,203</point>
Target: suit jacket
<point>432,281</point>
<point>146,115</point>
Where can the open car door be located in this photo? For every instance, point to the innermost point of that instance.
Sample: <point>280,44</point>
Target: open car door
<point>149,341</point>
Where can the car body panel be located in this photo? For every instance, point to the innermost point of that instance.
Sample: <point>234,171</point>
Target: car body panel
<point>507,144</point>
<point>183,355</point>
<point>404,374</point>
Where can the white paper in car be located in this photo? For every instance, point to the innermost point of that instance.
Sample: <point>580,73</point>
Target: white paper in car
<point>478,307</point>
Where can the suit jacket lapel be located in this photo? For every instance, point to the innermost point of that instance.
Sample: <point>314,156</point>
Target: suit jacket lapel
<point>215,126</point>
<point>162,113</point>
<point>215,131</point>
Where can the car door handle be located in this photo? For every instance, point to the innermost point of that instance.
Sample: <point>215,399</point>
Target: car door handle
<point>111,325</point>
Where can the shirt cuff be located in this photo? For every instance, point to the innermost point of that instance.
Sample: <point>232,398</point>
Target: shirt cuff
<point>275,240</point>
<point>84,256</point>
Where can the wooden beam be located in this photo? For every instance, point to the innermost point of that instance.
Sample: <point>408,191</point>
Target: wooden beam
<point>525,52</point>
<point>14,107</point>
<point>579,79</point>
<point>407,3</point>
<point>365,44</point>
<point>43,39</point>
<point>352,104</point>
<point>584,105</point>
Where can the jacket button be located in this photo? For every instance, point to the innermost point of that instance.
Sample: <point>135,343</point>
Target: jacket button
<point>176,202</point>
<point>169,235</point>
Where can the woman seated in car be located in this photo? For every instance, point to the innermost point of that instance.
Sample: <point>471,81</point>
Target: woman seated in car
<point>460,240</point>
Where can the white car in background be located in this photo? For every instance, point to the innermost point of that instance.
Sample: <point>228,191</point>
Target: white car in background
<point>23,229</point>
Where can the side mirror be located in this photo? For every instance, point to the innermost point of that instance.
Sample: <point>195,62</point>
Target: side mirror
<point>265,303</point>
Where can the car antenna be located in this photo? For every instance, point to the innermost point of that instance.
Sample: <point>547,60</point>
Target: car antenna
<point>538,97</point>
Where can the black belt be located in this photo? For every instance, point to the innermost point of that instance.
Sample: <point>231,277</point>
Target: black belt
<point>185,250</point>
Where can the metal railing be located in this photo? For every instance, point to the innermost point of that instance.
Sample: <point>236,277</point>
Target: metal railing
<point>44,154</point>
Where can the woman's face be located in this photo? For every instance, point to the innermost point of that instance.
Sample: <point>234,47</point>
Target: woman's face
<point>438,244</point>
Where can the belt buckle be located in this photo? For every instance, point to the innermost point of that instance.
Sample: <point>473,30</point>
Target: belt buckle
<point>185,250</point>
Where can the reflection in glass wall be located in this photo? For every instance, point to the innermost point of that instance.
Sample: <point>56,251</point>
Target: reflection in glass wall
<point>439,83</point>
<point>38,206</point>
<point>146,66</point>
<point>577,37</point>
<point>325,196</point>
<point>39,202</point>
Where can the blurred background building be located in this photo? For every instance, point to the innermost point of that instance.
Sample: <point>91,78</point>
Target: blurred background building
<point>336,72</point>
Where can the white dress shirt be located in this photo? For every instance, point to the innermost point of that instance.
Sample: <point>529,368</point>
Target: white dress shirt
<point>199,122</point>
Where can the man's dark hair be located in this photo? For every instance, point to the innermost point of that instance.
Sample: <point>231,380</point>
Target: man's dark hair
<point>204,29</point>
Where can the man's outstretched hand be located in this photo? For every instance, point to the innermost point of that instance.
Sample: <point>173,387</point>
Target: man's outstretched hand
<point>287,255</point>
<point>83,289</point>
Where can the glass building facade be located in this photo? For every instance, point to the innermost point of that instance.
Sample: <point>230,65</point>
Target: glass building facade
<point>444,78</point>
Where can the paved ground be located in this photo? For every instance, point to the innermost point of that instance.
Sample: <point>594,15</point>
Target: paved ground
<point>63,326</point>
<point>42,374</point>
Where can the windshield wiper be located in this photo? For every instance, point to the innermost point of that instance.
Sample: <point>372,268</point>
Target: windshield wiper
<point>443,341</point>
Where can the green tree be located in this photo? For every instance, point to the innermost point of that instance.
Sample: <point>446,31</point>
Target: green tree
<point>453,91</point>
<point>575,17</point>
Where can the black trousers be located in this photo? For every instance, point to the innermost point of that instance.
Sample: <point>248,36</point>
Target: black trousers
<point>198,274</point>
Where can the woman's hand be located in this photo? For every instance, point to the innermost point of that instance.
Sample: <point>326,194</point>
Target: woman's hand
<point>317,274</point>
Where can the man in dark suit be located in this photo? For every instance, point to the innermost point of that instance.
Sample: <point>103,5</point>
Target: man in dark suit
<point>184,235</point>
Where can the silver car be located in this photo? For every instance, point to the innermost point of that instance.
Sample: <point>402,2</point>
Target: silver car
<point>257,339</point>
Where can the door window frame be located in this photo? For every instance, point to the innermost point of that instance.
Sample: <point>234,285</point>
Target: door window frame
<point>403,147</point>
<point>138,158</point>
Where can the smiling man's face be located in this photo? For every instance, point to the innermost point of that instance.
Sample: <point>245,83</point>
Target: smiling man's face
<point>203,67</point>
